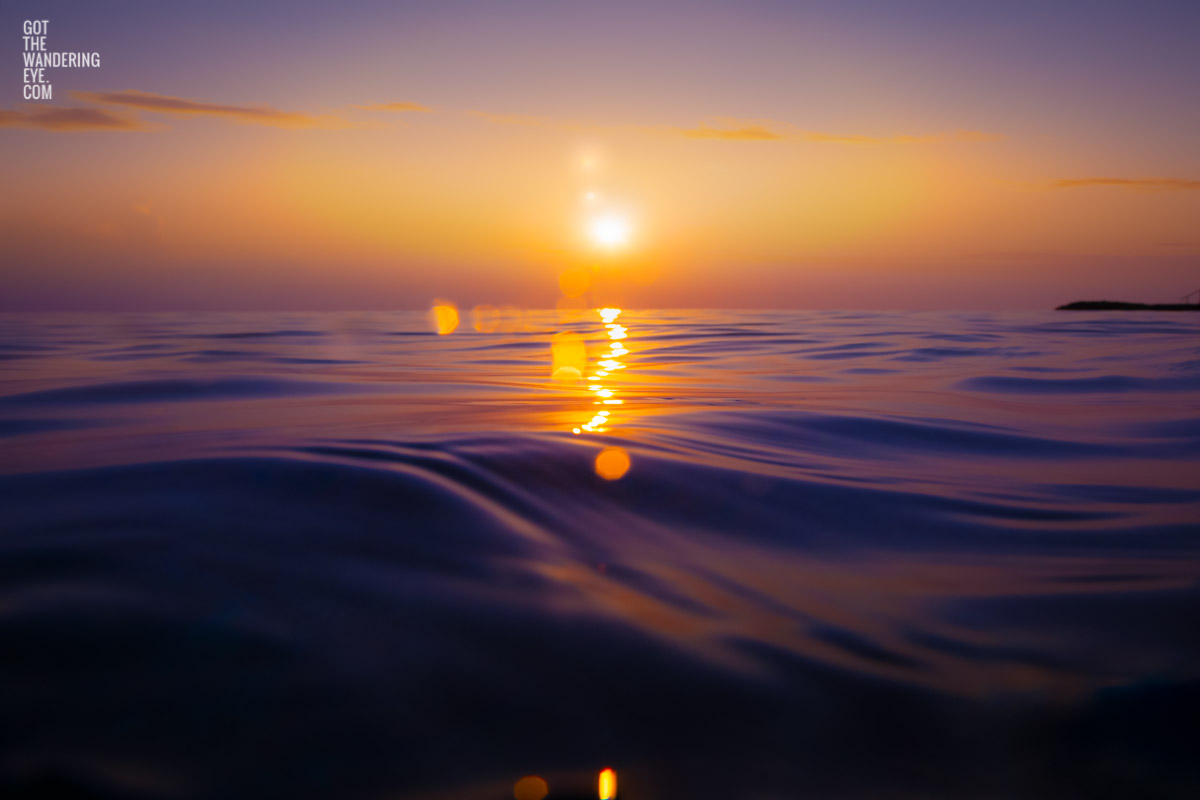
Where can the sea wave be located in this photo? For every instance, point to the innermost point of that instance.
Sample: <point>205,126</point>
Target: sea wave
<point>347,562</point>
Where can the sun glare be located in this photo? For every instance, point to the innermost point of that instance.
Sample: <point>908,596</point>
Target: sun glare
<point>609,231</point>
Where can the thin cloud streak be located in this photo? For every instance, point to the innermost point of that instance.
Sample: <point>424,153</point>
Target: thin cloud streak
<point>933,138</point>
<point>746,133</point>
<point>181,106</point>
<point>734,130</point>
<point>1134,184</point>
<point>69,119</point>
<point>521,120</point>
<point>743,130</point>
<point>400,106</point>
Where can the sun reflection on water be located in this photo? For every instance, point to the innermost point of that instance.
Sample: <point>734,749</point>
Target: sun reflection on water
<point>610,361</point>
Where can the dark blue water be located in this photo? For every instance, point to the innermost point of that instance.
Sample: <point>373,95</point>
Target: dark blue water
<point>829,555</point>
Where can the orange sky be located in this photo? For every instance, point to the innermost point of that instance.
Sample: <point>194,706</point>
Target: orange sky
<point>761,155</point>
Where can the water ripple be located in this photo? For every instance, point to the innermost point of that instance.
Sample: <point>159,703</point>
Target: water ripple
<point>339,556</point>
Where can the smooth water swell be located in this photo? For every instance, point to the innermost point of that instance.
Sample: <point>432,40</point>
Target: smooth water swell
<point>856,554</point>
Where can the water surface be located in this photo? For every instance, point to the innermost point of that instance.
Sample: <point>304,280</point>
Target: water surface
<point>854,555</point>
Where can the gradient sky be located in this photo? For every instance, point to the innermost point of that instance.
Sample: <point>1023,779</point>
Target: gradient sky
<point>846,154</point>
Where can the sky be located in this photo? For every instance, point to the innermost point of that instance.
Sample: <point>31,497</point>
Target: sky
<point>754,154</point>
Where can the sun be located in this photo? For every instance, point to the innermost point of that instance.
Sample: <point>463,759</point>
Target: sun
<point>609,231</point>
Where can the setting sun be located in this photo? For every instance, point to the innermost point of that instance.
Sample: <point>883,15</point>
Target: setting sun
<point>610,231</point>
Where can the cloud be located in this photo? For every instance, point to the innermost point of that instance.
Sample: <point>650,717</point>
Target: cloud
<point>743,130</point>
<point>395,107</point>
<point>834,138</point>
<point>743,134</point>
<point>1136,184</point>
<point>1017,255</point>
<point>532,121</point>
<point>523,120</point>
<point>63,118</point>
<point>932,138</point>
<point>255,115</point>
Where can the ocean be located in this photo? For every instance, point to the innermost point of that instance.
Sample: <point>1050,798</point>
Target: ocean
<point>728,554</point>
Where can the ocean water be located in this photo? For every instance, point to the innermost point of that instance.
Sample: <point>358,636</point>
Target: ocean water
<point>823,555</point>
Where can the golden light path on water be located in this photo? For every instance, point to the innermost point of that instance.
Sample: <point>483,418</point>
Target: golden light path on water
<point>609,363</point>
<point>613,462</point>
<point>571,365</point>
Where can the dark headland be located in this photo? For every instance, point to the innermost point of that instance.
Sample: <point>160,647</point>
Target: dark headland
<point>1115,305</point>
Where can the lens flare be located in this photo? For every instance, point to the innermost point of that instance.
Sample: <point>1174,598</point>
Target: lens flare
<point>608,784</point>
<point>443,317</point>
<point>570,356</point>
<point>485,319</point>
<point>574,282</point>
<point>612,464</point>
<point>531,787</point>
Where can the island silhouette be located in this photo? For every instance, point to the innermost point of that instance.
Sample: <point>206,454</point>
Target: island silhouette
<point>1117,305</point>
